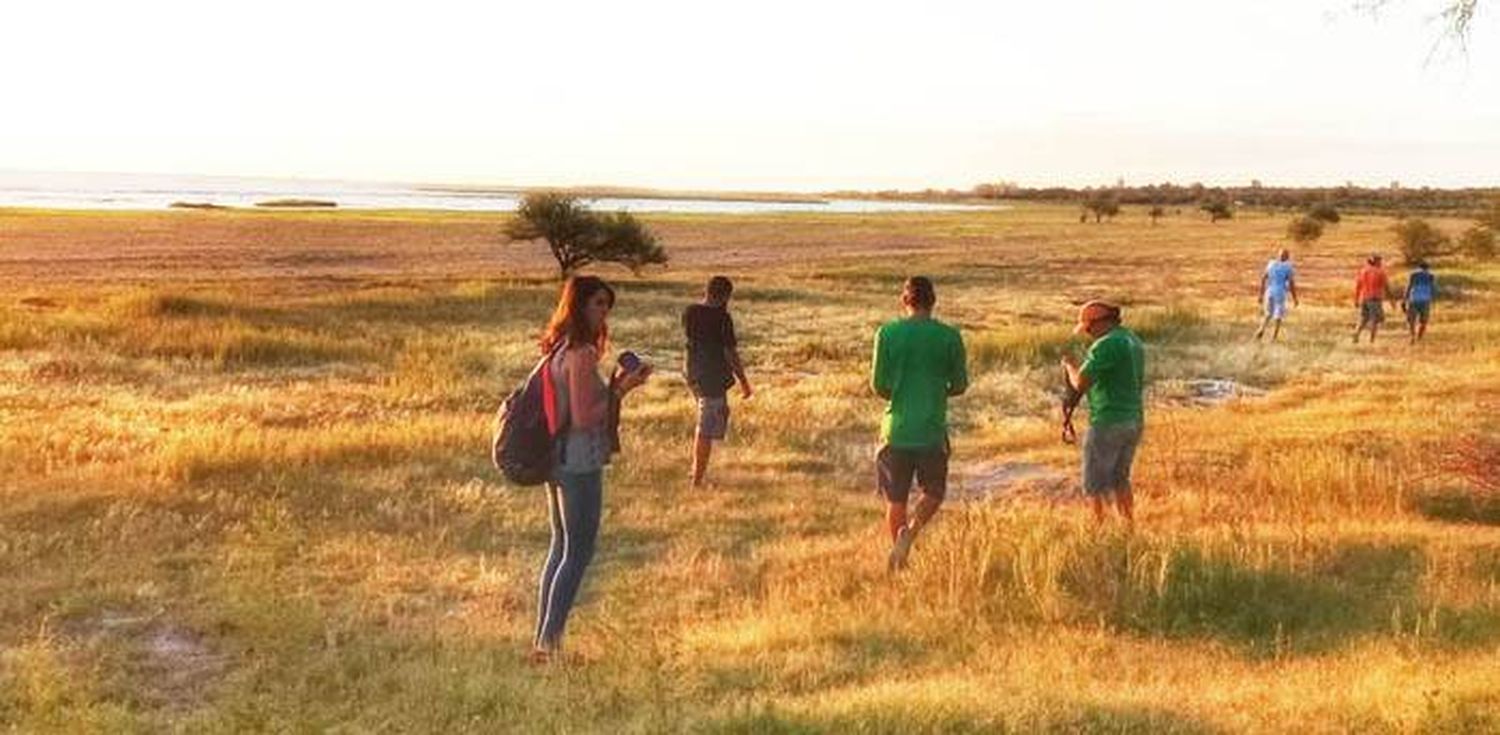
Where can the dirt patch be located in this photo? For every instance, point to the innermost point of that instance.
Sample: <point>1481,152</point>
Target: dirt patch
<point>986,481</point>
<point>1206,392</point>
<point>172,665</point>
<point>39,302</point>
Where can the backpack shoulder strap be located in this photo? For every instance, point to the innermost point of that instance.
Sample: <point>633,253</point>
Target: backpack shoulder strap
<point>555,418</point>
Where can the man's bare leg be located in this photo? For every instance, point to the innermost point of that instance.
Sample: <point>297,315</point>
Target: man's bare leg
<point>927,507</point>
<point>702,448</point>
<point>895,518</point>
<point>1125,503</point>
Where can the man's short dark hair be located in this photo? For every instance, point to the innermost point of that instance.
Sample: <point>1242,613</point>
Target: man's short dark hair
<point>918,292</point>
<point>719,287</point>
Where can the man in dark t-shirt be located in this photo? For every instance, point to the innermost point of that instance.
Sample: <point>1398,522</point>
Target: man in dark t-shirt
<point>713,367</point>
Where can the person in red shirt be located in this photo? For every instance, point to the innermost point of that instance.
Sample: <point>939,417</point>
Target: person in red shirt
<point>1371,289</point>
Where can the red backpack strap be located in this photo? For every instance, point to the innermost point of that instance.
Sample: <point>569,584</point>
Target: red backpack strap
<point>549,395</point>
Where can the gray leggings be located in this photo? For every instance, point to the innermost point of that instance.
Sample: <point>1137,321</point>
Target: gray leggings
<point>574,501</point>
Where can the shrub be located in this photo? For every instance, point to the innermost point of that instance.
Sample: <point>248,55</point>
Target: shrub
<point>1217,209</point>
<point>1324,213</point>
<point>1305,229</point>
<point>1419,240</point>
<point>1103,206</point>
<point>1478,242</point>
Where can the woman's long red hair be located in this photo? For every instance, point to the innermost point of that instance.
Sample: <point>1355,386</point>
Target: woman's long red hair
<point>569,324</point>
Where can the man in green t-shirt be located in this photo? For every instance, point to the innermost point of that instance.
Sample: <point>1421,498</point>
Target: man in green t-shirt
<point>1113,375</point>
<point>919,363</point>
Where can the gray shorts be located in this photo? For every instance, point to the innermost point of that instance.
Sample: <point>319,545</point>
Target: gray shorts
<point>713,417</point>
<point>1372,312</point>
<point>1108,452</point>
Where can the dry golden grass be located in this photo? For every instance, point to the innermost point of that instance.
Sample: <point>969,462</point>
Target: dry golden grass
<point>246,487</point>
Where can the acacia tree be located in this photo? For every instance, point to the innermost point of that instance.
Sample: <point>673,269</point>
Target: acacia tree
<point>626,240</point>
<point>578,237</point>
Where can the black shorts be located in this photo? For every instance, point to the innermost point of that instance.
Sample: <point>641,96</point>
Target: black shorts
<point>896,468</point>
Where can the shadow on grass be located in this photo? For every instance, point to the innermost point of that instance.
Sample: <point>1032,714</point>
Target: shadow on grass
<point>1083,718</point>
<point>1353,592</point>
<point>837,659</point>
<point>1458,506</point>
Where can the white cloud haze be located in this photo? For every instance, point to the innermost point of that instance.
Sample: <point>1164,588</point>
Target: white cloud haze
<point>783,95</point>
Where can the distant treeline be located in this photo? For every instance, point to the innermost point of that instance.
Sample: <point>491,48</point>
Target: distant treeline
<point>1394,198</point>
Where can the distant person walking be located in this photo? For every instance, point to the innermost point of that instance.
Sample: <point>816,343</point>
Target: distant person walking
<point>1421,290</point>
<point>1113,377</point>
<point>585,408</point>
<point>1276,283</point>
<point>713,367</point>
<point>1371,289</point>
<point>919,364</point>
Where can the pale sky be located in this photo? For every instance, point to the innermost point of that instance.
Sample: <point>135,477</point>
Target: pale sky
<point>801,95</point>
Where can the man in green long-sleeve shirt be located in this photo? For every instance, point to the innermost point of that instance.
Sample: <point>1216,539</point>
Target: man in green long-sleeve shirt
<point>919,363</point>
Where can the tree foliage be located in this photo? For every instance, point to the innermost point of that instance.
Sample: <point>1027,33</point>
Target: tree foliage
<point>578,237</point>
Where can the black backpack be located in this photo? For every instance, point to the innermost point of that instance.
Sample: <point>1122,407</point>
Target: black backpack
<point>525,443</point>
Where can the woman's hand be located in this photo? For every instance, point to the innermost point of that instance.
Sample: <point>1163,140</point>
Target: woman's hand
<point>625,382</point>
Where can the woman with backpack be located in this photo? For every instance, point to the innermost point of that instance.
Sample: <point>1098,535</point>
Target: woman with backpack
<point>582,407</point>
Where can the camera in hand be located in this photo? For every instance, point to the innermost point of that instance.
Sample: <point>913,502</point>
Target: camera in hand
<point>629,361</point>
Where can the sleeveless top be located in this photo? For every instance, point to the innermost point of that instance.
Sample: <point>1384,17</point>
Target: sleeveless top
<point>582,450</point>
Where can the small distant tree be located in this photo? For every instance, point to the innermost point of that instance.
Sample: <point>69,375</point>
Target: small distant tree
<point>578,237</point>
<point>1102,206</point>
<point>1324,212</point>
<point>1155,214</point>
<point>1419,240</point>
<point>996,190</point>
<point>1304,230</point>
<point>1479,242</point>
<point>1217,209</point>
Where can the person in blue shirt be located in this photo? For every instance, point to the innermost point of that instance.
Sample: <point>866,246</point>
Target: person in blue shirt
<point>1421,289</point>
<point>1276,283</point>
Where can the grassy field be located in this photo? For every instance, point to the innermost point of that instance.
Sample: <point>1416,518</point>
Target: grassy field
<point>246,487</point>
